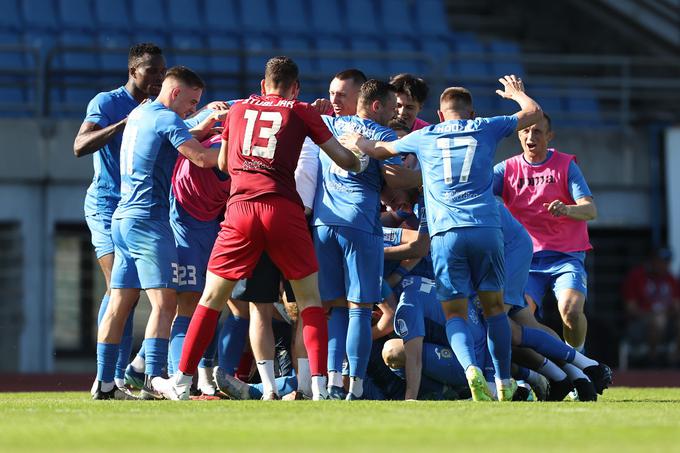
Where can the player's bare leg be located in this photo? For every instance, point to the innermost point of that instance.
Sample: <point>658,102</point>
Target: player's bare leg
<point>314,331</point>
<point>112,324</point>
<point>262,344</point>
<point>499,341</point>
<point>575,325</point>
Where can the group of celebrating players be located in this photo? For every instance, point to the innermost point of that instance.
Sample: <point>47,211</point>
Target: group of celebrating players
<point>361,252</point>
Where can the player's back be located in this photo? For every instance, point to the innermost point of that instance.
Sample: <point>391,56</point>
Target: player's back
<point>148,155</point>
<point>351,199</point>
<point>105,109</point>
<point>265,136</point>
<point>456,158</point>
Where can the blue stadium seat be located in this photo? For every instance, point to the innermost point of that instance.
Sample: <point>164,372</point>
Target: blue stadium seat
<point>223,63</point>
<point>484,99</point>
<point>583,105</point>
<point>149,15</point>
<point>114,50</point>
<point>331,65</point>
<point>469,66</point>
<point>396,17</point>
<point>112,15</point>
<point>256,17</point>
<point>17,59</point>
<point>221,16</point>
<point>185,15</point>
<point>39,14</point>
<point>398,64</point>
<point>431,18</point>
<point>372,67</point>
<point>291,16</point>
<point>436,48</point>
<point>506,59</point>
<point>305,64</point>
<point>360,16</point>
<point>327,17</point>
<point>548,97</point>
<point>78,59</point>
<point>10,19</point>
<point>255,63</point>
<point>76,14</point>
<point>39,39</point>
<point>190,43</point>
<point>155,37</point>
<point>225,94</point>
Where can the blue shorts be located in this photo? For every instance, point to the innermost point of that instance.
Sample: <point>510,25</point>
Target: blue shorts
<point>100,229</point>
<point>145,254</point>
<point>467,259</point>
<point>350,264</point>
<point>419,313</point>
<point>518,255</point>
<point>560,271</point>
<point>194,240</point>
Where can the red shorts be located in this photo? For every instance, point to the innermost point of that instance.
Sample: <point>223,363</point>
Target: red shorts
<point>268,223</point>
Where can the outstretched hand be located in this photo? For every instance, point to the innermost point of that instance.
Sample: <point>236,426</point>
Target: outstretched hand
<point>218,105</point>
<point>323,106</point>
<point>556,208</point>
<point>512,85</point>
<point>350,141</point>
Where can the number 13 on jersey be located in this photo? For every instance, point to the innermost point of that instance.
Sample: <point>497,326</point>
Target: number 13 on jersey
<point>267,133</point>
<point>448,147</point>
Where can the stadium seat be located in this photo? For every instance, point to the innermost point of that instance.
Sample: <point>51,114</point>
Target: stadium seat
<point>185,15</point>
<point>396,18</point>
<point>431,18</point>
<point>113,50</point>
<point>76,14</point>
<point>191,44</point>
<point>484,99</point>
<point>305,64</point>
<point>360,16</point>
<point>506,59</point>
<point>436,48</point>
<point>39,14</point>
<point>548,97</point>
<point>78,59</point>
<point>331,64</point>
<point>42,40</point>
<point>397,64</point>
<point>471,67</point>
<point>112,15</point>
<point>149,15</point>
<point>10,19</point>
<point>223,63</point>
<point>13,59</point>
<point>583,106</point>
<point>291,16</point>
<point>371,66</point>
<point>256,17</point>
<point>221,16</point>
<point>255,63</point>
<point>327,17</point>
<point>154,37</point>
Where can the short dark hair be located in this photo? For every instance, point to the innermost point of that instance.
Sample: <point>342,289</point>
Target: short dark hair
<point>412,86</point>
<point>460,98</point>
<point>139,50</point>
<point>353,74</point>
<point>548,120</point>
<point>281,72</point>
<point>374,90</point>
<point>186,76</point>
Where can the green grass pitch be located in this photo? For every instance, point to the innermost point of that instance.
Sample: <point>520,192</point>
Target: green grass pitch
<point>625,419</point>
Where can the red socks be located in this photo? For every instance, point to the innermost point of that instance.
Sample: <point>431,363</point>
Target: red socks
<point>199,335</point>
<point>315,334</point>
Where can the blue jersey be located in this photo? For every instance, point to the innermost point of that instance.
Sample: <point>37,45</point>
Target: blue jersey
<point>510,225</point>
<point>148,155</point>
<point>351,199</point>
<point>104,110</point>
<point>456,158</point>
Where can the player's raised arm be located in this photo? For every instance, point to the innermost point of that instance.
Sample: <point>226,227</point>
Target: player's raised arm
<point>377,150</point>
<point>196,153</point>
<point>513,88</point>
<point>344,158</point>
<point>206,128</point>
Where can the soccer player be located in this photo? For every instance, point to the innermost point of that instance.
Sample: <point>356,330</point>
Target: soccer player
<point>546,191</point>
<point>467,244</point>
<point>261,145</point>
<point>100,135</point>
<point>146,257</point>
<point>411,95</point>
<point>348,238</point>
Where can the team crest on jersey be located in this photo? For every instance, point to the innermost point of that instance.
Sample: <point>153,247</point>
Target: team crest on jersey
<point>473,317</point>
<point>402,329</point>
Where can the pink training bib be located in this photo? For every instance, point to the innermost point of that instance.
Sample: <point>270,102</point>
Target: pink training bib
<point>526,187</point>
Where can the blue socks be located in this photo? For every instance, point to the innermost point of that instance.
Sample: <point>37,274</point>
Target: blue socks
<point>284,386</point>
<point>177,333</point>
<point>156,356</point>
<point>499,340</point>
<point>232,340</point>
<point>439,364</point>
<point>337,337</point>
<point>208,360</point>
<point>125,347</point>
<point>546,345</point>
<point>462,343</point>
<point>106,361</point>
<point>359,341</point>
